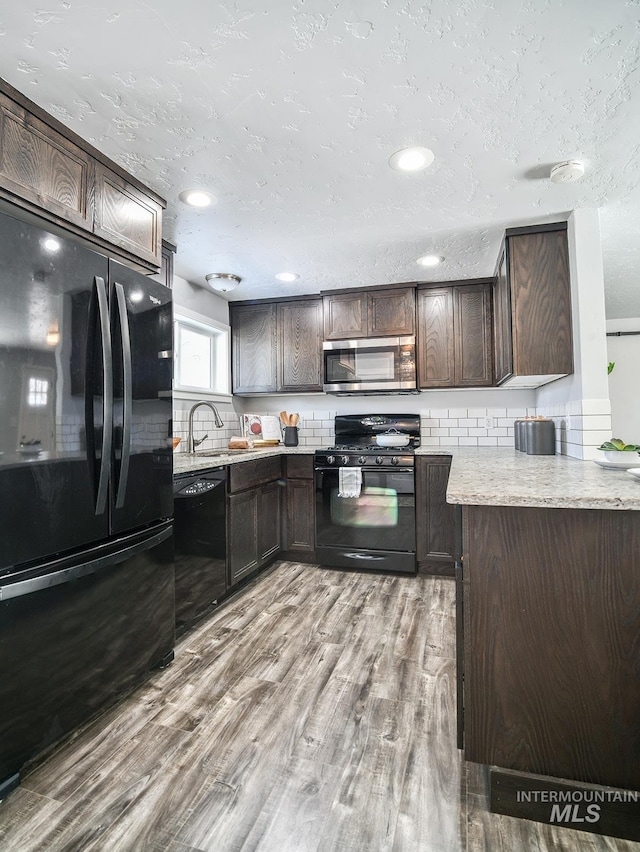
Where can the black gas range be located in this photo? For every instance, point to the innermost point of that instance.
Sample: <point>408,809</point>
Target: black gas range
<point>365,494</point>
<point>356,441</point>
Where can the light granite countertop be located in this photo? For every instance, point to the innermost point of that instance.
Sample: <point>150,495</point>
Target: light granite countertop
<point>185,463</point>
<point>484,476</point>
<point>488,476</point>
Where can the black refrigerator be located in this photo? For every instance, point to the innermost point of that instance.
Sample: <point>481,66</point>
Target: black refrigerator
<point>86,537</point>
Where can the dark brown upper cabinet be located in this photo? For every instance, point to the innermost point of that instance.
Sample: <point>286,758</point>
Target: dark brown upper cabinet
<point>254,345</point>
<point>126,217</point>
<point>48,170</point>
<point>533,332</point>
<point>454,335</point>
<point>300,346</point>
<point>277,347</point>
<point>369,313</point>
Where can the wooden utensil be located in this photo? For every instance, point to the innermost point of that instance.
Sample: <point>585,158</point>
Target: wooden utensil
<point>284,418</point>
<point>293,419</point>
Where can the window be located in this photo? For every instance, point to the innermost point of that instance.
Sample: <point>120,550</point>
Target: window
<point>38,392</point>
<point>201,366</point>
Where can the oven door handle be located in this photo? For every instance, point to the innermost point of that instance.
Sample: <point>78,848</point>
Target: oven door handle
<point>372,469</point>
<point>365,557</point>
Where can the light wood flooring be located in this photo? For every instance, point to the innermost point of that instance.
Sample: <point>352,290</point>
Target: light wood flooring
<point>314,712</point>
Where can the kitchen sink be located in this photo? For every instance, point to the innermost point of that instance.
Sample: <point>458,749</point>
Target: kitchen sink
<point>213,453</point>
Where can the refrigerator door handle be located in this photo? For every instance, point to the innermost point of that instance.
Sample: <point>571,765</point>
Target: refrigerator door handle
<point>127,395</point>
<point>107,397</point>
<point>74,572</point>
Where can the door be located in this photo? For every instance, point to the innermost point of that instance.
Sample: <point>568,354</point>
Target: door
<point>436,338</point>
<point>141,320</point>
<point>381,518</point>
<point>472,333</point>
<point>254,349</point>
<point>54,343</point>
<point>503,335</point>
<point>103,620</point>
<point>300,346</point>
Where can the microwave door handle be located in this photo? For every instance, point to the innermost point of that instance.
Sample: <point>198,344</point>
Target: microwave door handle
<point>127,395</point>
<point>107,397</point>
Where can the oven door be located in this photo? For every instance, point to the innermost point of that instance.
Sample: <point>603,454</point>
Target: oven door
<point>370,365</point>
<point>375,530</point>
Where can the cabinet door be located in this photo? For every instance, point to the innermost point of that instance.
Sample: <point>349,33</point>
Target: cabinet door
<point>435,338</point>
<point>268,521</point>
<point>392,313</point>
<point>435,518</point>
<point>503,363</point>
<point>300,346</point>
<point>242,534</point>
<point>127,217</point>
<point>300,520</point>
<point>42,168</point>
<point>254,344</point>
<point>472,328</point>
<point>541,294</point>
<point>345,316</point>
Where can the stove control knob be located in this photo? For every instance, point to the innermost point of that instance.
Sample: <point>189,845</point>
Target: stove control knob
<point>379,459</point>
<point>362,460</point>
<point>344,459</point>
<point>395,460</point>
<point>331,459</point>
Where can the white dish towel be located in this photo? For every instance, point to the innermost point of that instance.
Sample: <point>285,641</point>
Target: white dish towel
<point>349,481</point>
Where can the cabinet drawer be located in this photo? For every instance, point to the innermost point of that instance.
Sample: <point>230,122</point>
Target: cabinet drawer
<point>299,467</point>
<point>249,474</point>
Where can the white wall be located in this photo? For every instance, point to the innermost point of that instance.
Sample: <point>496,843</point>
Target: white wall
<point>579,403</point>
<point>448,418</point>
<point>194,298</point>
<point>623,381</point>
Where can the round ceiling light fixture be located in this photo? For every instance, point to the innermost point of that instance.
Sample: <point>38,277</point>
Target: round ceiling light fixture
<point>197,198</point>
<point>567,172</point>
<point>51,244</point>
<point>224,282</point>
<point>411,159</point>
<point>430,260</point>
<point>287,277</point>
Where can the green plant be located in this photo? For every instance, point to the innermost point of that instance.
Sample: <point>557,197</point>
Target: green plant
<point>610,367</point>
<point>617,444</point>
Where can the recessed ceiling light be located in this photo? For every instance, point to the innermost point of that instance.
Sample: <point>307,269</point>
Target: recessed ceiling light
<point>430,260</point>
<point>197,198</point>
<point>288,277</point>
<point>222,281</point>
<point>411,159</point>
<point>51,244</point>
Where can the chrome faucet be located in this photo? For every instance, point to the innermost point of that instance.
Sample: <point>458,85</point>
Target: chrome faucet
<point>192,443</point>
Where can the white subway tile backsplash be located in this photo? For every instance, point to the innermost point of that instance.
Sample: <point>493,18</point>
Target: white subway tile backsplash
<point>487,442</point>
<point>468,442</point>
<point>476,412</point>
<point>457,413</point>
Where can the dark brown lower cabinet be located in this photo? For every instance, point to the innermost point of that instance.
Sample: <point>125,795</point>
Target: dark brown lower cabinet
<point>552,642</point>
<point>435,518</point>
<point>298,522</point>
<point>253,516</point>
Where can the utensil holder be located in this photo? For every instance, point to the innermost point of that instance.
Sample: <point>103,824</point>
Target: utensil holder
<point>540,438</point>
<point>290,436</point>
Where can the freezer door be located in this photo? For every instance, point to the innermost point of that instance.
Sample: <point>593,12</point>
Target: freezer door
<point>142,464</point>
<point>54,394</point>
<point>77,635</point>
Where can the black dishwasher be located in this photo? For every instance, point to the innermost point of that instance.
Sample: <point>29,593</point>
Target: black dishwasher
<point>199,504</point>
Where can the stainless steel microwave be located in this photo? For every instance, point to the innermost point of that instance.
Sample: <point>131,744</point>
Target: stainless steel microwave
<point>371,365</point>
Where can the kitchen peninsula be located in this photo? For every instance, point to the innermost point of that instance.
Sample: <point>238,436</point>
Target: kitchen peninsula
<point>548,591</point>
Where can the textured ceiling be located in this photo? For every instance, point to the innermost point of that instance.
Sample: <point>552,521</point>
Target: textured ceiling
<point>289,111</point>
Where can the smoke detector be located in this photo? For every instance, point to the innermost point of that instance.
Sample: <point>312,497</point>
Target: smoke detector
<point>567,172</point>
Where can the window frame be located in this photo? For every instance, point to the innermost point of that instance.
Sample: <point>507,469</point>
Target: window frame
<point>220,336</point>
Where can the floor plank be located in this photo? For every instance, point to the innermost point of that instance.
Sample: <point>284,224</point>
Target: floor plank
<point>312,712</point>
